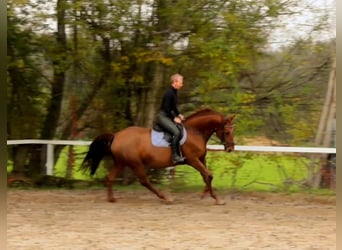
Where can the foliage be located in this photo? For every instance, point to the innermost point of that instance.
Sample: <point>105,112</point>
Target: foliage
<point>27,88</point>
<point>114,49</point>
<point>107,63</point>
<point>290,99</point>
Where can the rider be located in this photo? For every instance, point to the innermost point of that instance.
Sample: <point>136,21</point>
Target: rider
<point>168,116</point>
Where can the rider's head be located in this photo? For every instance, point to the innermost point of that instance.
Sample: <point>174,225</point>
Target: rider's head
<point>177,81</point>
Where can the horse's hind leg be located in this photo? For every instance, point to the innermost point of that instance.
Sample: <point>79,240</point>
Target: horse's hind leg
<point>114,172</point>
<point>141,174</point>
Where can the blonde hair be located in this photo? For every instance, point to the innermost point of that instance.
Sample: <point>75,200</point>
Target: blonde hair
<point>174,77</point>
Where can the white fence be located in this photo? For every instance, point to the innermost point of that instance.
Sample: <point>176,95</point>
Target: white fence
<point>51,143</point>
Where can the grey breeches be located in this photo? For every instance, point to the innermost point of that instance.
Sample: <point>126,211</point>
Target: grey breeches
<point>167,124</point>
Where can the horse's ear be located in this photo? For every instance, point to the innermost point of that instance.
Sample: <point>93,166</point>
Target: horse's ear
<point>232,117</point>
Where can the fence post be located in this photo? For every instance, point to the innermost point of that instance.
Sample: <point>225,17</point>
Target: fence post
<point>49,159</point>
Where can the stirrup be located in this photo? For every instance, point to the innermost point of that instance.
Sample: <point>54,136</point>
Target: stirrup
<point>178,159</point>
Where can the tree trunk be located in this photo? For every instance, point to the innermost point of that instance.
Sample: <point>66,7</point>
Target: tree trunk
<point>19,158</point>
<point>54,109</point>
<point>86,101</point>
<point>152,96</point>
<point>20,152</point>
<point>324,133</point>
<point>57,87</point>
<point>152,93</point>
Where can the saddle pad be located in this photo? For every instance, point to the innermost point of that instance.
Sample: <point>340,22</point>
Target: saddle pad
<point>158,140</point>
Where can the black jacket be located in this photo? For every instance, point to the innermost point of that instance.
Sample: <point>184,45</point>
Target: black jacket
<point>169,103</point>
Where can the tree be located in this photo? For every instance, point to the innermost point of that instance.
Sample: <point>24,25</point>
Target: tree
<point>288,90</point>
<point>328,117</point>
<point>28,90</point>
<point>108,61</point>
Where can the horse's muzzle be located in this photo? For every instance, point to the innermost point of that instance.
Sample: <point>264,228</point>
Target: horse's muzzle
<point>229,147</point>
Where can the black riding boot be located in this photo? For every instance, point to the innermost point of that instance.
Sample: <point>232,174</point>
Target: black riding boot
<point>176,154</point>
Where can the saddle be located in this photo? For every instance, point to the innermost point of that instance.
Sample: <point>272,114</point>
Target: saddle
<point>161,138</point>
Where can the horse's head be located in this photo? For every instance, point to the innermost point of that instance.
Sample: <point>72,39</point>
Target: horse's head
<point>226,133</point>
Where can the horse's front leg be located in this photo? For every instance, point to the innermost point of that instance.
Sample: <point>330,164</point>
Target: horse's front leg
<point>206,188</point>
<point>114,172</point>
<point>207,178</point>
<point>205,191</point>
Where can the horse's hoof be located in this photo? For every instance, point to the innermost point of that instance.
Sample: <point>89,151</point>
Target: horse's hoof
<point>168,201</point>
<point>204,196</point>
<point>218,202</point>
<point>111,199</point>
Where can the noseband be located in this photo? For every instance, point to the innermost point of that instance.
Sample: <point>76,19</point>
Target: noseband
<point>226,144</point>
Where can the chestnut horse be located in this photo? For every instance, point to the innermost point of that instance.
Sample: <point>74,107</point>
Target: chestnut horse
<point>132,147</point>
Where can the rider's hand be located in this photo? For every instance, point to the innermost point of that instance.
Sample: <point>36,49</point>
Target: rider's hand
<point>181,117</point>
<point>177,119</point>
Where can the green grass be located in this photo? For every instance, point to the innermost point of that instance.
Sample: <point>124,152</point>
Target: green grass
<point>240,171</point>
<point>249,172</point>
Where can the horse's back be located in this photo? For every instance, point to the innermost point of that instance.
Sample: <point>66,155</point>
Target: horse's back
<point>131,137</point>
<point>134,130</point>
<point>133,144</point>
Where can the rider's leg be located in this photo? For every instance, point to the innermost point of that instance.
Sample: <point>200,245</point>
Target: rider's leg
<point>172,128</point>
<point>176,154</point>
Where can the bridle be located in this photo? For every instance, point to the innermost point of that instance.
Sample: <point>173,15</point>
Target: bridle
<point>224,143</point>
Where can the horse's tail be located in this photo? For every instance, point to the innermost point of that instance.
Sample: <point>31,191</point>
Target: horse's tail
<point>98,149</point>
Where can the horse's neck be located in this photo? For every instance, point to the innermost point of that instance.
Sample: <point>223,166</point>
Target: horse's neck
<point>206,125</point>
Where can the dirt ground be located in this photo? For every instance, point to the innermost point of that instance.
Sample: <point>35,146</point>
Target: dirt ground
<point>81,219</point>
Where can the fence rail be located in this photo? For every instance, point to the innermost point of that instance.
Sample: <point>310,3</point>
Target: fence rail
<point>51,143</point>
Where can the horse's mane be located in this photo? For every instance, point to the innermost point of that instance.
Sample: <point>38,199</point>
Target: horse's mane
<point>202,112</point>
